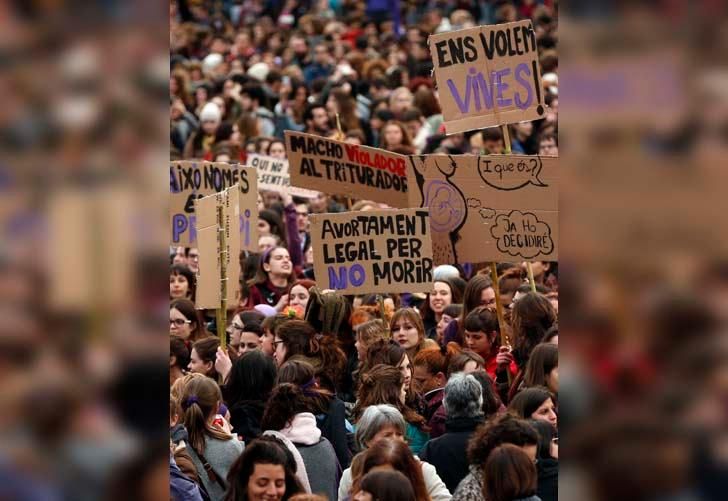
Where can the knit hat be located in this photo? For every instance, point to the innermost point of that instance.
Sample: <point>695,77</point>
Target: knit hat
<point>210,113</point>
<point>211,62</point>
<point>259,71</point>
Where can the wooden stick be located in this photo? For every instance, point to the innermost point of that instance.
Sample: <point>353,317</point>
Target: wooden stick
<point>221,314</point>
<point>504,341</point>
<point>531,281</point>
<point>506,139</point>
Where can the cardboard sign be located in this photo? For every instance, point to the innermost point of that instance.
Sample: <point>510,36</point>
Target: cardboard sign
<point>374,251</point>
<point>355,171</point>
<point>190,180</point>
<point>273,175</point>
<point>489,207</point>
<point>488,76</point>
<point>210,283</point>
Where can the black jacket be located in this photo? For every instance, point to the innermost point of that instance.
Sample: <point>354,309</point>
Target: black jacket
<point>448,452</point>
<point>548,479</point>
<point>333,428</point>
<point>245,417</point>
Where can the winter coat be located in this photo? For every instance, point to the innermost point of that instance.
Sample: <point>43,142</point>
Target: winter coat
<point>548,479</point>
<point>447,453</point>
<point>181,488</point>
<point>245,417</point>
<point>435,412</point>
<point>333,428</point>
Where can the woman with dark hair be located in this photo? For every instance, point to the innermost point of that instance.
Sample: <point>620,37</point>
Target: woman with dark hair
<point>287,417</point>
<point>449,314</point>
<point>395,455</point>
<point>329,410</point>
<point>542,368</point>
<point>384,384</point>
<point>532,316</point>
<point>179,358</point>
<point>248,387</point>
<point>478,292</point>
<point>270,223</point>
<point>534,403</point>
<point>548,460</point>
<point>275,275</point>
<point>203,356</point>
<point>445,292</point>
<point>298,338</point>
<point>390,353</point>
<point>212,449</point>
<point>394,134</point>
<point>186,322</point>
<point>482,336</point>
<point>181,282</point>
<point>511,475</point>
<point>465,361</point>
<point>385,486</point>
<point>265,471</point>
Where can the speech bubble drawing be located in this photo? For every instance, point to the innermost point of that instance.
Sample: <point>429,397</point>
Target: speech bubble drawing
<point>521,234</point>
<point>447,206</point>
<point>473,203</point>
<point>486,213</point>
<point>507,173</point>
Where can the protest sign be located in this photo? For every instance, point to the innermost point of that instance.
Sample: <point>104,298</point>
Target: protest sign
<point>190,180</point>
<point>488,208</point>
<point>210,283</point>
<point>335,167</point>
<point>273,175</point>
<point>488,76</point>
<point>373,251</point>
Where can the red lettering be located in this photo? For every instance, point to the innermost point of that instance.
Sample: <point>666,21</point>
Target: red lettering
<point>352,151</point>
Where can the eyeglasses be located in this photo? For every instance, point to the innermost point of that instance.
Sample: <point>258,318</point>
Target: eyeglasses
<point>276,343</point>
<point>179,322</point>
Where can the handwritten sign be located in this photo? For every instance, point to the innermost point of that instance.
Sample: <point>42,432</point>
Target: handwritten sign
<point>488,208</point>
<point>210,285</point>
<point>375,251</point>
<point>190,180</point>
<point>273,175</point>
<point>346,169</point>
<point>488,76</point>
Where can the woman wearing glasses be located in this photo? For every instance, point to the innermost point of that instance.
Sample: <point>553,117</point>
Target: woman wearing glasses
<point>185,321</point>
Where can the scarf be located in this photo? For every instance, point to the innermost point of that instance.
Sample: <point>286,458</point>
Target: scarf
<point>302,430</point>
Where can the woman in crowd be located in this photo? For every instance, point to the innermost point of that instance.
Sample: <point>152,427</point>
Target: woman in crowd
<point>395,135</point>
<point>203,356</point>
<point>393,455</point>
<point>445,292</point>
<point>274,277</point>
<point>287,415</point>
<point>181,282</point>
<point>298,293</point>
<point>329,410</point>
<point>466,361</point>
<point>449,314</point>
<point>532,316</point>
<point>382,422</point>
<point>368,333</point>
<point>408,331</point>
<point>212,449</point>
<point>384,384</point>
<point>535,403</point>
<point>548,460</point>
<point>511,475</point>
<point>270,223</point>
<point>481,334</point>
<point>246,391</point>
<point>265,471</point>
<point>478,292</point>
<point>390,353</point>
<point>185,321</point>
<point>542,368</point>
<point>179,358</point>
<point>298,338</point>
<point>429,378</point>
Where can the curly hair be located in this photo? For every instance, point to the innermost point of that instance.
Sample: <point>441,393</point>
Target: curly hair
<point>500,429</point>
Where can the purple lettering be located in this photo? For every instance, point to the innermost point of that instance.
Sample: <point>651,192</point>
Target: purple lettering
<point>520,102</point>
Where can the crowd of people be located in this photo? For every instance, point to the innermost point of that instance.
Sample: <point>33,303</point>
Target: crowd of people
<point>317,395</point>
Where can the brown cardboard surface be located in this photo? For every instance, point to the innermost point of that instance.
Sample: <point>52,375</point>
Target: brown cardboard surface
<point>189,180</point>
<point>373,251</point>
<point>273,175</point>
<point>335,167</point>
<point>489,207</point>
<point>209,276</point>
<point>488,76</point>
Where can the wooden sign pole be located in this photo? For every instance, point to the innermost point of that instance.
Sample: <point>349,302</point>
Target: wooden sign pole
<point>221,313</point>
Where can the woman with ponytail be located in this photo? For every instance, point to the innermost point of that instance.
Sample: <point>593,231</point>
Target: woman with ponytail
<point>287,417</point>
<point>298,338</point>
<point>213,450</point>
